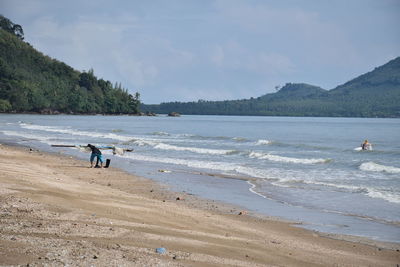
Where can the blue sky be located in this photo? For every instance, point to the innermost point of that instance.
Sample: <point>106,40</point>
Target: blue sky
<point>184,50</point>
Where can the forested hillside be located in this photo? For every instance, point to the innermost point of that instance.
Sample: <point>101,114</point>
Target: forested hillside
<point>374,94</point>
<point>33,82</point>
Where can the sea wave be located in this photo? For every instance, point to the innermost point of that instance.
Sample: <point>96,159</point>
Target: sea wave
<point>69,131</point>
<point>160,133</point>
<point>239,139</point>
<point>232,168</point>
<point>252,189</point>
<point>228,167</point>
<point>31,136</point>
<point>220,166</point>
<point>365,190</point>
<point>391,197</point>
<point>286,159</point>
<point>157,144</point>
<point>266,175</point>
<point>374,167</point>
<point>211,138</point>
<point>263,142</point>
<point>199,150</point>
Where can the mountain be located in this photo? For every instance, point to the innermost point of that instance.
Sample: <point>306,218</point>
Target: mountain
<point>33,82</point>
<point>374,94</point>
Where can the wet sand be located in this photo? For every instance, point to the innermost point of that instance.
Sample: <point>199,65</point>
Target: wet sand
<point>57,211</point>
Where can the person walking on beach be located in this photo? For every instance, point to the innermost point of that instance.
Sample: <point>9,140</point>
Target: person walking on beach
<point>96,153</point>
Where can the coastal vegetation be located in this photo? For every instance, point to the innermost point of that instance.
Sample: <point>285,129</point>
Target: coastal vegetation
<point>33,82</point>
<point>374,94</point>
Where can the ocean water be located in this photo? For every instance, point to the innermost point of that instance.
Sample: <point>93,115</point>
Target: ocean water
<point>307,170</point>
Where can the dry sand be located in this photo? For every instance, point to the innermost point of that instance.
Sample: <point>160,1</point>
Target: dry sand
<point>55,211</point>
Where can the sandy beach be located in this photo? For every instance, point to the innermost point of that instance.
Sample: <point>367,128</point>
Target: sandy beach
<point>56,211</point>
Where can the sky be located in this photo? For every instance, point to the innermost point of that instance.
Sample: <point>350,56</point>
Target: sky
<point>186,50</point>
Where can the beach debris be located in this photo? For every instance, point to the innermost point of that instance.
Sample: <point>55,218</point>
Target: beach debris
<point>179,198</point>
<point>161,250</point>
<point>166,171</point>
<point>174,114</point>
<point>243,212</point>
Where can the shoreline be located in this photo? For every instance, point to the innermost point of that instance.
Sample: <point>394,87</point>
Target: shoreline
<point>151,114</point>
<point>57,210</point>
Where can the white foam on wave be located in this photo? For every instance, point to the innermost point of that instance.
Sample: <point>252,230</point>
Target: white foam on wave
<point>391,197</point>
<point>160,133</point>
<point>269,174</point>
<point>200,164</point>
<point>162,146</point>
<point>366,190</point>
<point>40,138</point>
<point>239,139</point>
<point>286,159</point>
<point>263,142</point>
<point>369,191</point>
<point>193,149</point>
<point>55,129</point>
<point>140,142</point>
<point>252,189</point>
<point>374,167</point>
<point>220,166</point>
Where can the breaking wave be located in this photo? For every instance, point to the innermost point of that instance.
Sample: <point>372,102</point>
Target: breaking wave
<point>286,159</point>
<point>194,149</point>
<point>55,129</point>
<point>200,164</point>
<point>365,190</point>
<point>374,167</point>
<point>160,133</point>
<point>384,195</point>
<point>369,191</point>
<point>273,176</point>
<point>239,139</point>
<point>162,146</point>
<point>27,136</point>
<point>263,142</point>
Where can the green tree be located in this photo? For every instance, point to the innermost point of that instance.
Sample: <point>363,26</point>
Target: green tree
<point>10,27</point>
<point>4,105</point>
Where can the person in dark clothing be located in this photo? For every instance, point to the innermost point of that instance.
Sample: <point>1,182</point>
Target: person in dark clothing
<point>366,145</point>
<point>96,153</point>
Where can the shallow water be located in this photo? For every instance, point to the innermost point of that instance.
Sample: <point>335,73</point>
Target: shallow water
<point>303,169</point>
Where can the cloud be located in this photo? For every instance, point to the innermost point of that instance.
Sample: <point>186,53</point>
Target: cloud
<point>111,46</point>
<point>290,30</point>
<point>186,50</point>
<point>234,56</point>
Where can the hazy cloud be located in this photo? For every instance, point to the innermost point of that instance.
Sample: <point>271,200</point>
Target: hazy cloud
<point>213,49</point>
